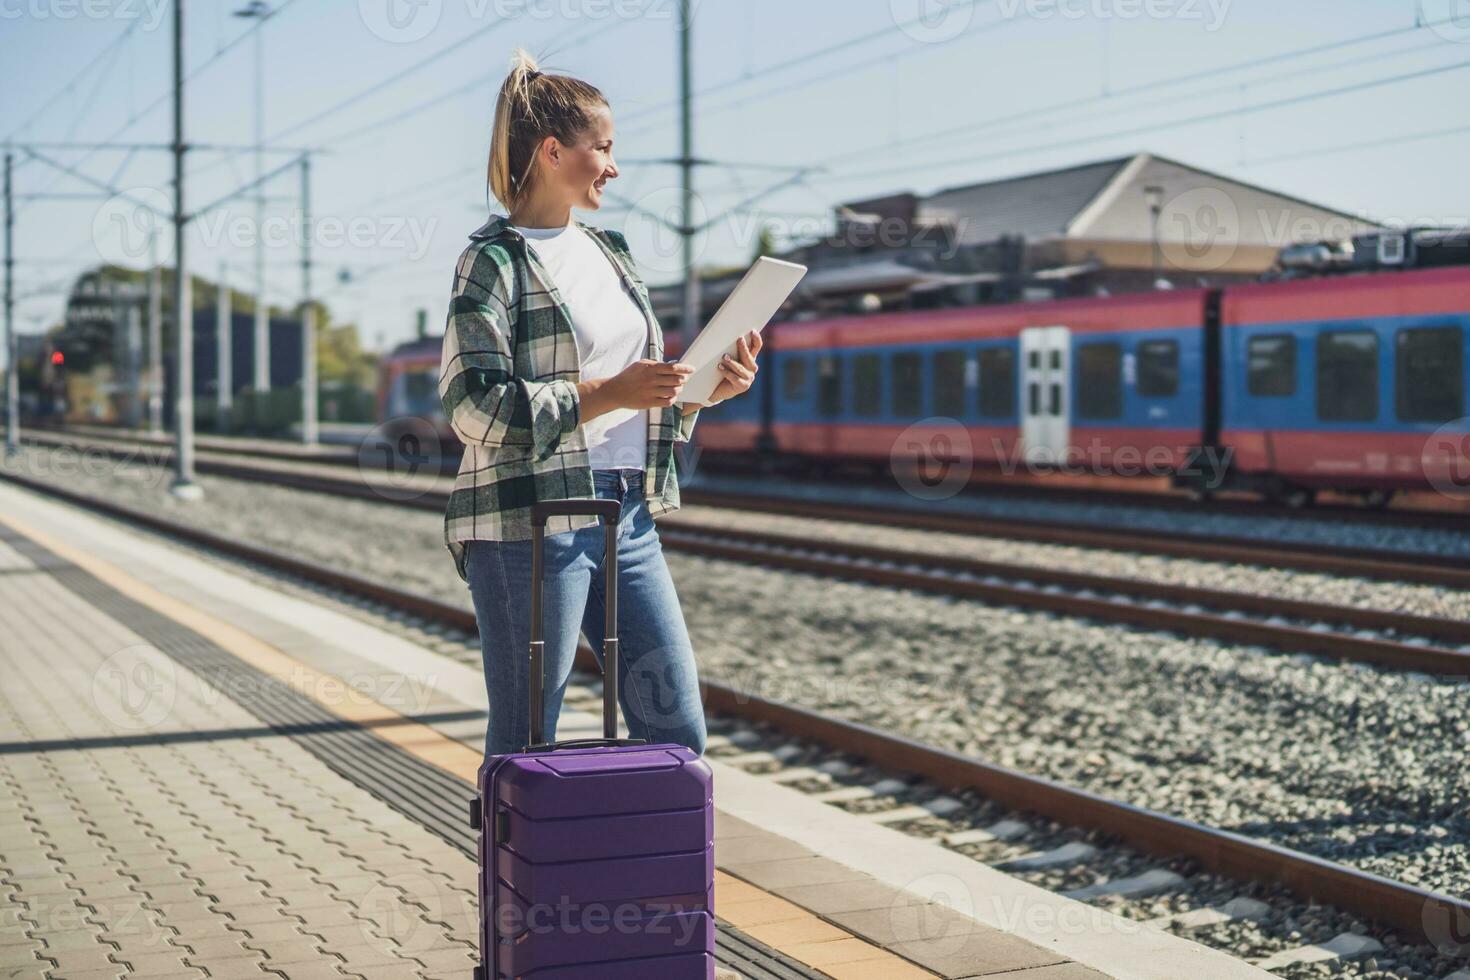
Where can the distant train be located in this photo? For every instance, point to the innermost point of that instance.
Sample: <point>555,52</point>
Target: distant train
<point>408,393</point>
<point>1284,388</point>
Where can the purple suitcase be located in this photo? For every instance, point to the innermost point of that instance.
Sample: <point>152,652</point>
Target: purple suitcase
<point>596,855</point>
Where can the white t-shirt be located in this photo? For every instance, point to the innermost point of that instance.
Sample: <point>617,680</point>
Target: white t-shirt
<point>611,334</point>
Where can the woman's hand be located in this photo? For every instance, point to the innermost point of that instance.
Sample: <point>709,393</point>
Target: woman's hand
<point>650,384</point>
<point>643,384</point>
<point>737,373</point>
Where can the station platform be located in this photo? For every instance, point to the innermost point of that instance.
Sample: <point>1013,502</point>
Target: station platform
<point>209,777</point>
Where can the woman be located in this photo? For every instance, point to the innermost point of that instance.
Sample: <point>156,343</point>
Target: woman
<point>553,377</point>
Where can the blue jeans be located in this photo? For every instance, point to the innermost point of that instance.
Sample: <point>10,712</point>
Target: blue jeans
<point>658,686</point>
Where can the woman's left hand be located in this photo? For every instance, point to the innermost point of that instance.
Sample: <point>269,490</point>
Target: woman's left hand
<point>737,373</point>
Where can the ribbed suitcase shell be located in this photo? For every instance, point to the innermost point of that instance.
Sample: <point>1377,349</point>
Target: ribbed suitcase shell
<point>597,864</point>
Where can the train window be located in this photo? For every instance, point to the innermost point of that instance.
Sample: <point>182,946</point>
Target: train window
<point>1035,359</point>
<point>998,382</point>
<point>829,387</point>
<point>1033,399</point>
<point>867,384</point>
<point>1099,381</point>
<point>949,383</point>
<point>1347,376</point>
<point>908,390</point>
<point>1158,368</point>
<point>1271,365</point>
<point>420,393</point>
<point>1430,374</point>
<point>793,379</point>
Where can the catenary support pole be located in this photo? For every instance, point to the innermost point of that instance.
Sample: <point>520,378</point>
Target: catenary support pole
<point>309,434</point>
<point>12,366</point>
<point>184,485</point>
<point>224,339</point>
<point>155,337</point>
<point>262,309</point>
<point>690,325</point>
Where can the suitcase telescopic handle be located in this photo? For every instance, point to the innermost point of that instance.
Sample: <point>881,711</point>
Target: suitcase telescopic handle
<point>610,511</point>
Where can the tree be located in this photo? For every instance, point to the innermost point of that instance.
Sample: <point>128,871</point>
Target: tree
<point>765,242</point>
<point>339,353</point>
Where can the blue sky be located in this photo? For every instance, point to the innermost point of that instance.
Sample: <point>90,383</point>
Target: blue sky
<point>778,85</point>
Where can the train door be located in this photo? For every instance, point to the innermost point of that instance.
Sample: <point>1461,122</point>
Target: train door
<point>1045,398</point>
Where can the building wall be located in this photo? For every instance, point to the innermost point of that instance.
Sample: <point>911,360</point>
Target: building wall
<point>1207,224</point>
<point>1174,257</point>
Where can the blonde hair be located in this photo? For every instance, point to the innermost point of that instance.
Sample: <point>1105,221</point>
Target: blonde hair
<point>532,106</point>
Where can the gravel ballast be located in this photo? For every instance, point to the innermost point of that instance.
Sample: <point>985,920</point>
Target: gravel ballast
<point>1360,531</point>
<point>1353,763</point>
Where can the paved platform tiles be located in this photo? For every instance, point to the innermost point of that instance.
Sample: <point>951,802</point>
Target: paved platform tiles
<point>409,894</point>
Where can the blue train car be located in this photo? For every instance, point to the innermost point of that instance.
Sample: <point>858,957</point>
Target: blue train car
<point>1343,383</point>
<point>1093,385</point>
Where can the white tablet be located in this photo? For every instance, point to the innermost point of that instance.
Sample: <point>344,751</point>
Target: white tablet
<point>750,306</point>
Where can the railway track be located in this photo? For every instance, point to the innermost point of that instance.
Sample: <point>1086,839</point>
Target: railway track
<point>1352,562</point>
<point>1393,640</point>
<point>1238,617</point>
<point>288,469</point>
<point>1443,513</point>
<point>1422,916</point>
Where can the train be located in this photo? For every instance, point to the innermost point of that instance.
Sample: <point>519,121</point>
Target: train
<point>1329,376</point>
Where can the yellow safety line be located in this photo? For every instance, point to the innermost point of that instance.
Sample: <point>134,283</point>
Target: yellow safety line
<point>795,931</point>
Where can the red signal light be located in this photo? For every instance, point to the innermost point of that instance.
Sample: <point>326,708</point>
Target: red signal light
<point>57,357</point>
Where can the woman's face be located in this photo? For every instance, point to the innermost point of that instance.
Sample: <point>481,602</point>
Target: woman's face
<point>579,171</point>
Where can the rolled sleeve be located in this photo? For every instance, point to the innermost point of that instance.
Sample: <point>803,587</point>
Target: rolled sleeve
<point>685,428</point>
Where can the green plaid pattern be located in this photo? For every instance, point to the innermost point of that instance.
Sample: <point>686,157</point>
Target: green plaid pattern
<point>507,380</point>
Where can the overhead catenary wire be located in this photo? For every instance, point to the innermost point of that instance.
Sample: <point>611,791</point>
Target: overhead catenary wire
<point>167,96</point>
<point>1031,113</point>
<point>1192,120</point>
<point>740,101</point>
<point>1000,123</point>
<point>1398,139</point>
<point>458,91</point>
<point>806,58</point>
<point>391,80</point>
<point>75,80</point>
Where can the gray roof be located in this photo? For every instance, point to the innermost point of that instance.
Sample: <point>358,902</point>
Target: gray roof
<point>1033,206</point>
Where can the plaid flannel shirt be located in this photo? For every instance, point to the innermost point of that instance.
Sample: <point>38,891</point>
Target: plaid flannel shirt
<point>507,381</point>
